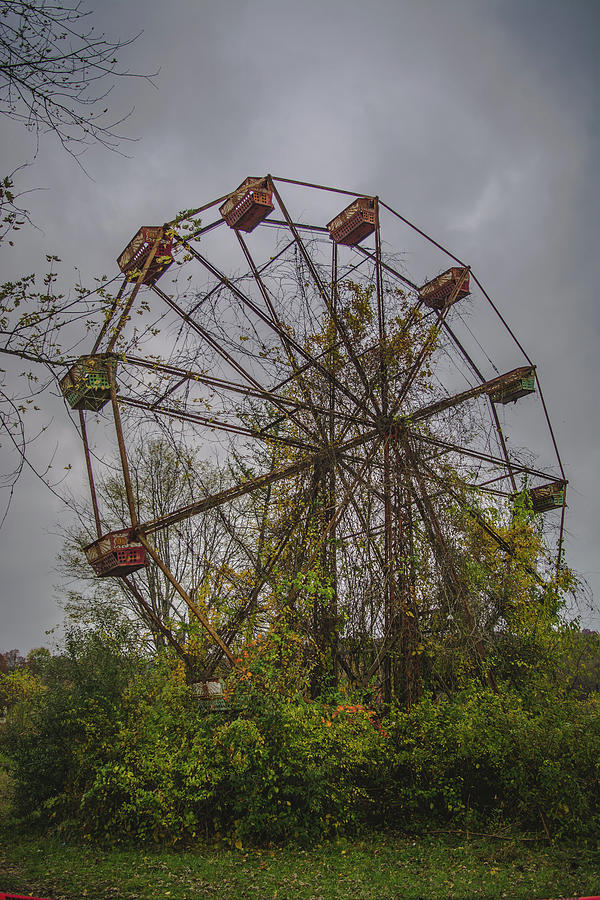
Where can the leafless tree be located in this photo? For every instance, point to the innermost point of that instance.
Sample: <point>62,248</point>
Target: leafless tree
<point>56,72</point>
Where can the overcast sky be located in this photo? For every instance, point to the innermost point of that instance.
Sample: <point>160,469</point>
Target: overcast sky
<point>477,119</point>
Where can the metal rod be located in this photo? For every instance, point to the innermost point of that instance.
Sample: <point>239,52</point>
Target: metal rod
<point>432,519</point>
<point>484,388</point>
<point>166,632</point>
<point>221,351</point>
<point>90,474</point>
<point>122,451</point>
<point>216,424</point>
<point>274,325</point>
<point>560,539</point>
<point>429,343</point>
<point>388,268</point>
<point>320,187</point>
<point>279,222</point>
<point>473,514</point>
<point>191,605</point>
<point>423,234</point>
<point>190,214</point>
<point>287,346</point>
<point>109,316</point>
<point>253,484</point>
<point>485,457</point>
<point>495,416</point>
<point>196,234</point>
<point>231,386</point>
<point>333,521</point>
<point>525,354</point>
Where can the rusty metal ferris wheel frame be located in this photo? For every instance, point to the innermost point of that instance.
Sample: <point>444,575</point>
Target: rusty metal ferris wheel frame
<point>351,420</point>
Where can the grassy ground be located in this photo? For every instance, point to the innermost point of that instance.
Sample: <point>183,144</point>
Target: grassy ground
<point>386,867</point>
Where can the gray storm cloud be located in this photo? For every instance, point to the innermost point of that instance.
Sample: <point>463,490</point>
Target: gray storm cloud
<point>476,120</point>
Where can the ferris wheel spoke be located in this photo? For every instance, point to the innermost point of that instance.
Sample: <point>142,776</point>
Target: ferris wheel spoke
<point>475,369</point>
<point>429,343</point>
<point>287,346</point>
<point>484,457</point>
<point>386,266</point>
<point>214,423</point>
<point>340,328</point>
<point>486,387</point>
<point>109,316</point>
<point>216,346</point>
<point>432,525</point>
<point>193,213</point>
<point>250,485</point>
<point>139,282</point>
<point>479,519</point>
<point>221,384</point>
<point>274,324</point>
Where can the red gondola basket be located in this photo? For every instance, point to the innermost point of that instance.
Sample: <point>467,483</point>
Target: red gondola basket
<point>134,256</point>
<point>354,223</point>
<point>436,294</point>
<point>116,553</point>
<point>248,205</point>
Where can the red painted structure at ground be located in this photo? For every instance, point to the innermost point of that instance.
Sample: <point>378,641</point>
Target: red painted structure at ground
<point>20,897</point>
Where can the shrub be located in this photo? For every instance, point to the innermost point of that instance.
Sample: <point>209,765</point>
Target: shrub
<point>122,749</point>
<point>481,754</point>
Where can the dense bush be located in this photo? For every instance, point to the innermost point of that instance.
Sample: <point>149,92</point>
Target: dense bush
<point>482,755</point>
<point>121,750</point>
<point>286,771</point>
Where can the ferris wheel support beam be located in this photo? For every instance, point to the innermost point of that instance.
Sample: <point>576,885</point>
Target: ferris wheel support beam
<point>151,615</point>
<point>122,450</point>
<point>397,629</point>
<point>390,587</point>
<point>331,523</point>
<point>109,316</point>
<point>432,524</point>
<point>186,598</point>
<point>90,474</point>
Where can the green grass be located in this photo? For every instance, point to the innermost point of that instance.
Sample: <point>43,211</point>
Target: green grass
<point>385,867</point>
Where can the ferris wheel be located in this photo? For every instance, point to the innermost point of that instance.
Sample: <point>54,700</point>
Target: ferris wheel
<point>346,373</point>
